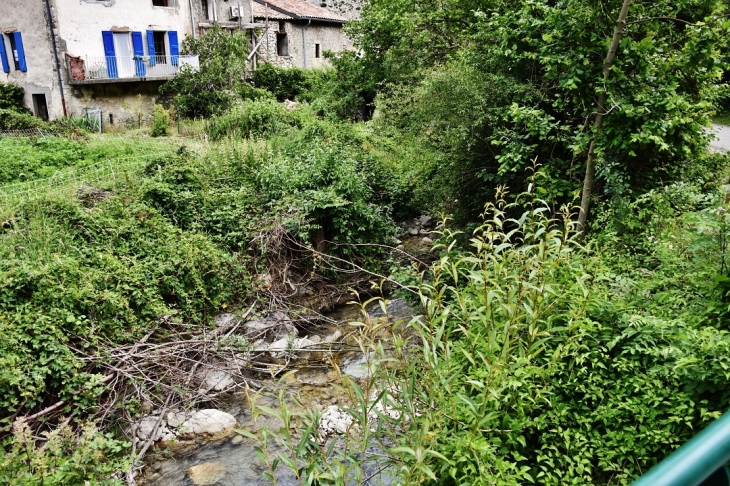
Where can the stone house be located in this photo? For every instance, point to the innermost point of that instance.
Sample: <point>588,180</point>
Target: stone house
<point>72,56</point>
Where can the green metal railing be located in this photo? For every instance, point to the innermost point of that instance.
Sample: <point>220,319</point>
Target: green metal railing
<point>700,462</point>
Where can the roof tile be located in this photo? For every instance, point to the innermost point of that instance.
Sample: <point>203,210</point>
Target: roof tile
<point>294,9</point>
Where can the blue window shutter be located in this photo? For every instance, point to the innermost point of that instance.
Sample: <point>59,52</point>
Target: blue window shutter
<point>138,54</point>
<point>111,57</point>
<point>3,55</point>
<point>174,47</point>
<point>151,47</point>
<point>21,51</point>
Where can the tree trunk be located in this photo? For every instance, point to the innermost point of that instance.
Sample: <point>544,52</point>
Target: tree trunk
<point>585,201</point>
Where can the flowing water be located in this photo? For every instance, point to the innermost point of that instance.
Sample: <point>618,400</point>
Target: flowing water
<point>311,386</point>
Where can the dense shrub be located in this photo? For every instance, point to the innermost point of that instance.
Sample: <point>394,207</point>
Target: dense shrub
<point>11,119</point>
<point>283,83</point>
<point>64,458</point>
<point>76,276</point>
<point>210,89</point>
<point>534,362</point>
<point>160,121</point>
<point>12,98</point>
<point>254,118</point>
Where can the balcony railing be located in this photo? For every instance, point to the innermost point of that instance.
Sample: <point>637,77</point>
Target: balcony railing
<point>84,69</point>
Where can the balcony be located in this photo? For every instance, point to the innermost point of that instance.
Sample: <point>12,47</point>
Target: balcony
<point>121,69</point>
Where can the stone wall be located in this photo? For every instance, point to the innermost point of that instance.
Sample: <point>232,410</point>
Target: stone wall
<point>328,35</point>
<point>29,18</point>
<point>126,102</point>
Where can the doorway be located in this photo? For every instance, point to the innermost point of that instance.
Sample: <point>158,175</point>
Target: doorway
<point>40,106</point>
<point>123,49</point>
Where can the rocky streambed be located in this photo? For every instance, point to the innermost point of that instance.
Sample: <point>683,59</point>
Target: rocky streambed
<point>201,447</point>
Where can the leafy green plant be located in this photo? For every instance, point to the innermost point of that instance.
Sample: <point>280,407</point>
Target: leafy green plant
<point>530,364</point>
<point>63,458</point>
<point>160,121</point>
<point>209,89</point>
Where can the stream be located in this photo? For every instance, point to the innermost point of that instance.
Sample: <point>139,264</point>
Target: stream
<point>235,461</point>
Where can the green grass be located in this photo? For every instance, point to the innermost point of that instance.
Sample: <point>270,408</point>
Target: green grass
<point>722,118</point>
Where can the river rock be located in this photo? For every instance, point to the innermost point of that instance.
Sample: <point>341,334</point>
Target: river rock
<point>276,323</point>
<point>426,221</point>
<point>216,380</point>
<point>413,231</point>
<point>427,240</point>
<point>146,425</point>
<point>283,346</point>
<point>207,474</point>
<point>334,421</point>
<point>176,419</point>
<point>225,320</point>
<point>209,422</point>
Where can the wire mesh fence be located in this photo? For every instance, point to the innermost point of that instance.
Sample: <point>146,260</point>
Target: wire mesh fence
<point>107,173</point>
<point>28,133</point>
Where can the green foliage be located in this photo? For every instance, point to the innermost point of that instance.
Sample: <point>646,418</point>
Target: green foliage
<point>160,121</point>
<point>11,119</point>
<point>90,458</point>
<point>526,76</point>
<point>26,159</point>
<point>255,118</point>
<point>78,276</point>
<point>209,89</point>
<point>536,360</point>
<point>12,98</point>
<point>284,83</point>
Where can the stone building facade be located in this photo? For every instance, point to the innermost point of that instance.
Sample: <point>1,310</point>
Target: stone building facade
<point>113,55</point>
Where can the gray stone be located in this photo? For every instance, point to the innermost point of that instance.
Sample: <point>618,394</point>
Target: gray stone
<point>225,320</point>
<point>207,474</point>
<point>334,421</point>
<point>209,421</point>
<point>276,322</point>
<point>426,221</point>
<point>413,231</point>
<point>147,424</point>
<point>427,240</point>
<point>176,419</point>
<point>423,232</point>
<point>217,380</point>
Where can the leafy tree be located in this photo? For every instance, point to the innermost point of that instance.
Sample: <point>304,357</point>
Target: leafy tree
<point>209,90</point>
<point>659,90</point>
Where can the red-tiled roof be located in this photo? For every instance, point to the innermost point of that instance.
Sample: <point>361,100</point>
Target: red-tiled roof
<point>261,12</point>
<point>297,9</point>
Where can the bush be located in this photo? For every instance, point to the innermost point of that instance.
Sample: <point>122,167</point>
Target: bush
<point>283,83</point>
<point>66,458</point>
<point>11,119</point>
<point>255,118</point>
<point>210,89</point>
<point>533,362</point>
<point>160,121</point>
<point>12,98</point>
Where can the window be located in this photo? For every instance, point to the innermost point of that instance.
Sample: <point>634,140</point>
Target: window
<point>282,44</point>
<point>160,51</point>
<point>204,3</point>
<point>15,56</point>
<point>14,52</point>
<point>316,51</point>
<point>282,41</point>
<point>162,3</point>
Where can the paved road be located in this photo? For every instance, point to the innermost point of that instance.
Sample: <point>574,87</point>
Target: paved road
<point>722,144</point>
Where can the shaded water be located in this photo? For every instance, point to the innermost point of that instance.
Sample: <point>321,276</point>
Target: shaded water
<point>312,386</point>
